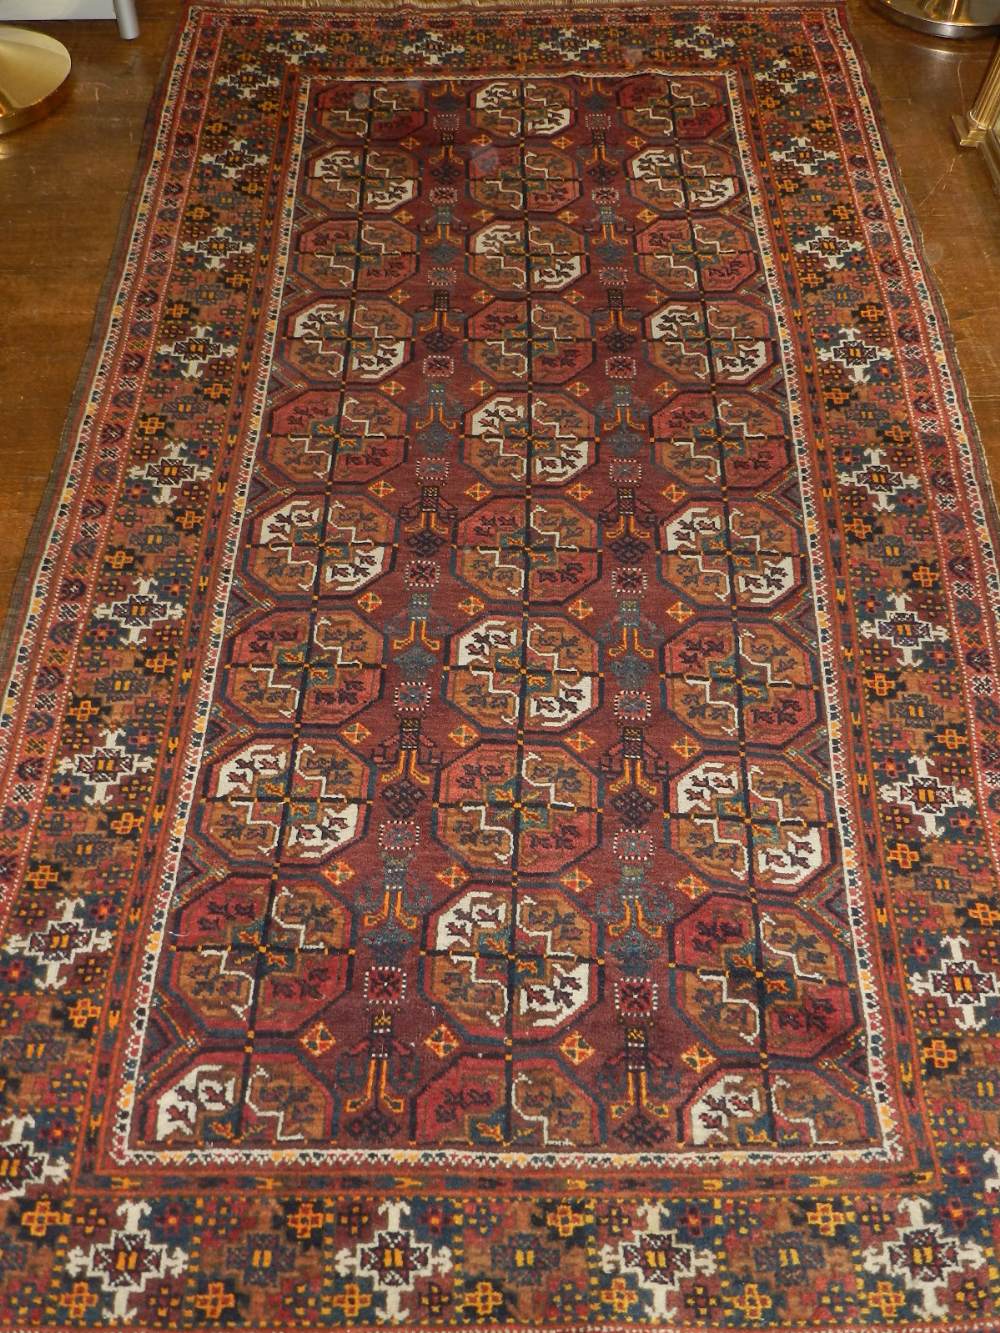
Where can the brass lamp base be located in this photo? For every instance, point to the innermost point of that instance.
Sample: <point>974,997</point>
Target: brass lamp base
<point>944,18</point>
<point>33,73</point>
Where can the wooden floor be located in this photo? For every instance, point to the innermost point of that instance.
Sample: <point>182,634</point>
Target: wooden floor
<point>63,185</point>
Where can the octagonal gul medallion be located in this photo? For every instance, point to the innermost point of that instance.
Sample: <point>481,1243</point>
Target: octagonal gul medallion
<point>373,254</point>
<point>544,550</point>
<point>298,801</point>
<point>700,106</point>
<point>518,255</point>
<point>499,808</point>
<point>741,1107</point>
<point>523,968</point>
<point>711,341</point>
<point>336,547</point>
<point>527,178</point>
<point>541,341</point>
<point>483,1101</point>
<point>669,177</point>
<point>647,103</point>
<point>661,106</point>
<point>711,175</point>
<point>522,108</point>
<point>544,671</point>
<point>354,180</point>
<point>723,435</point>
<point>323,666</point>
<point>264,1100</point>
<point>753,681</point>
<point>363,340</point>
<point>712,254</point>
<point>545,436</point>
<point>742,553</point>
<point>382,111</point>
<point>255,952</point>
<point>768,977</point>
<point>352,435</point>
<point>758,818</point>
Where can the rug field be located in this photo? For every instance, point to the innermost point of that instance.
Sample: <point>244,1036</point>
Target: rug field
<point>501,765</point>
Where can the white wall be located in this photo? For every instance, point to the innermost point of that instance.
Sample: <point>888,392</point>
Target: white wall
<point>24,11</point>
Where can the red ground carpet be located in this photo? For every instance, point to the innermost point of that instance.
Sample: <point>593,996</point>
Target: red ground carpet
<point>500,812</point>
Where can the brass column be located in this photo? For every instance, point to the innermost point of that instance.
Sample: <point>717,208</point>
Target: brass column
<point>973,125</point>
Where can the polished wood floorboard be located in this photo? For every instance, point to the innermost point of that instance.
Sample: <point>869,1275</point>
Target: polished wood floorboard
<point>64,183</point>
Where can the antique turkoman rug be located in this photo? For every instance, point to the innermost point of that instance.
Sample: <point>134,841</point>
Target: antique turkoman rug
<point>502,765</point>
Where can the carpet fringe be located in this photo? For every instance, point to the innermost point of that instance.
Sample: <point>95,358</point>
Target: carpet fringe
<point>584,7</point>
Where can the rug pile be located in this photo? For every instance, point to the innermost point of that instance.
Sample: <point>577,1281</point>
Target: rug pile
<point>500,812</point>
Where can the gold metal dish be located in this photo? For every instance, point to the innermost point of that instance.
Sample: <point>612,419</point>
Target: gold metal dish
<point>33,72</point>
<point>944,18</point>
